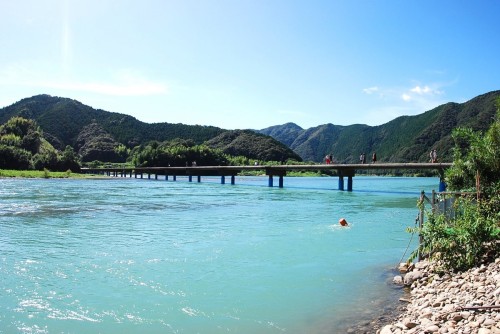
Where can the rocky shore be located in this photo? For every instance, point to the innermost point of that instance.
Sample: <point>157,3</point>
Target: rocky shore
<point>462,303</point>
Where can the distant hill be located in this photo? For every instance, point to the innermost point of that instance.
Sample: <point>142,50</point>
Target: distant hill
<point>252,145</point>
<point>95,134</point>
<point>65,118</point>
<point>404,139</point>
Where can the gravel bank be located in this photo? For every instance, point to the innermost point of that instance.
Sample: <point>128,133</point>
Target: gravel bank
<point>463,303</point>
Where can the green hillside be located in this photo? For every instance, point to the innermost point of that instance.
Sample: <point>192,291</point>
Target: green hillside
<point>96,134</point>
<point>65,118</point>
<point>404,139</point>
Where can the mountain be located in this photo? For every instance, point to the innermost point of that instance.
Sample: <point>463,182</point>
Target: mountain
<point>404,139</point>
<point>64,119</point>
<point>96,134</point>
<point>252,145</point>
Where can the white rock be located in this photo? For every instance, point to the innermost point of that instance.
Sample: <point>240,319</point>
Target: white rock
<point>484,331</point>
<point>386,329</point>
<point>398,280</point>
<point>489,322</point>
<point>432,329</point>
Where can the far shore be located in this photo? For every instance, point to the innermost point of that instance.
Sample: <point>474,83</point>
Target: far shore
<point>43,174</point>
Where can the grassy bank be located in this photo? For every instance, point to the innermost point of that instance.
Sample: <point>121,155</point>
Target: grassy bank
<point>40,174</point>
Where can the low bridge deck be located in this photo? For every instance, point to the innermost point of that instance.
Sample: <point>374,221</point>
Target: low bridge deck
<point>343,170</point>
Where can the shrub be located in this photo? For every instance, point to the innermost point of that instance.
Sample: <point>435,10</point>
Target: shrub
<point>463,242</point>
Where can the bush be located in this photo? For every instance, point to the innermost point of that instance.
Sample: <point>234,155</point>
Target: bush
<point>464,242</point>
<point>472,236</point>
<point>14,158</point>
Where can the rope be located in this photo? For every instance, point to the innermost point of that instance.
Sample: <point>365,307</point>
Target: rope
<point>409,242</point>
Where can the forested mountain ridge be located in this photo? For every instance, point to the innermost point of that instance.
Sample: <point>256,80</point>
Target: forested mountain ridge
<point>64,119</point>
<point>404,139</point>
<point>96,134</point>
<point>93,132</point>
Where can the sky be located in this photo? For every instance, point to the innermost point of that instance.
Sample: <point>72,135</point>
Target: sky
<point>251,64</point>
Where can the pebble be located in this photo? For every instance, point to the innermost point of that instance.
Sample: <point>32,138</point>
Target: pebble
<point>448,303</point>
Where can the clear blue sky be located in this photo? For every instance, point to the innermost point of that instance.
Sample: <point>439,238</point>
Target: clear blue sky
<point>240,64</point>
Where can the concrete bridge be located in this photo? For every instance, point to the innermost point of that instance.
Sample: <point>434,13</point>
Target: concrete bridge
<point>343,171</point>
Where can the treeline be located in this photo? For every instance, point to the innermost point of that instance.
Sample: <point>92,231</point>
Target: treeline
<point>176,153</point>
<point>22,146</point>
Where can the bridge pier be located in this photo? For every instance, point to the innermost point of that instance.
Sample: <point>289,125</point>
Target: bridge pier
<point>222,179</point>
<point>232,179</point>
<point>279,173</point>
<point>166,177</point>
<point>190,177</point>
<point>174,177</point>
<point>199,178</point>
<point>350,174</point>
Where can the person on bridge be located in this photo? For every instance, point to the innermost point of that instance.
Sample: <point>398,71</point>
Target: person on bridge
<point>362,158</point>
<point>374,157</point>
<point>433,154</point>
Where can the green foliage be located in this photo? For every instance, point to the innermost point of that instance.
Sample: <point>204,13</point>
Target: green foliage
<point>464,242</point>
<point>40,174</point>
<point>68,160</point>
<point>22,146</point>
<point>22,133</point>
<point>94,143</point>
<point>10,139</point>
<point>12,157</point>
<point>476,161</point>
<point>473,234</point>
<point>176,154</point>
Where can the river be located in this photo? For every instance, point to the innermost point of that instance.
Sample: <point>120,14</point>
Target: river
<point>156,256</point>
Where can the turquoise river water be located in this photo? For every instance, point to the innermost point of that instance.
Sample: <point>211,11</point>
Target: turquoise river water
<point>145,256</point>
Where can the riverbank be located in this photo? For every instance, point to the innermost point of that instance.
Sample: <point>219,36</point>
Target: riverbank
<point>462,303</point>
<point>40,174</point>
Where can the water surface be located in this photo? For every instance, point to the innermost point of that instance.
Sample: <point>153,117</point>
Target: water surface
<point>131,255</point>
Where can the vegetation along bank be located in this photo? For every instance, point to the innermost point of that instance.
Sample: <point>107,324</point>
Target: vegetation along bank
<point>456,289</point>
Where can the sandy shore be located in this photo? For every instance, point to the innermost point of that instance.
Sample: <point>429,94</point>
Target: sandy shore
<point>462,303</point>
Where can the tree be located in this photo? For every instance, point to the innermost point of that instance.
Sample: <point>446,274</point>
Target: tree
<point>69,160</point>
<point>22,146</point>
<point>472,236</point>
